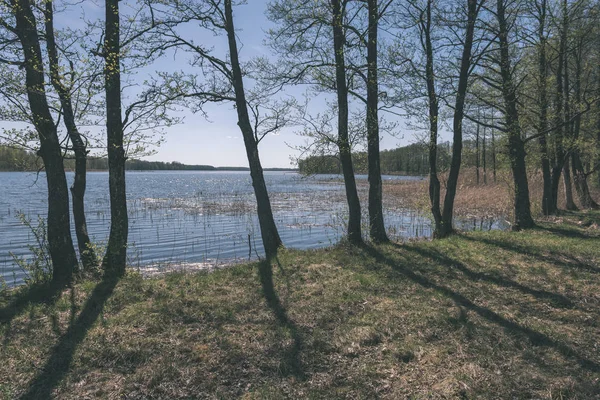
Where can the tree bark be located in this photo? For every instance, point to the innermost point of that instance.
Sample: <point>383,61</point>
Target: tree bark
<point>570,204</point>
<point>579,175</point>
<point>86,251</point>
<point>559,118</point>
<point>376,223</point>
<point>477,155</point>
<point>115,259</point>
<point>516,146</point>
<point>62,252</point>
<point>459,109</point>
<point>493,152</point>
<point>343,142</point>
<point>548,203</point>
<point>598,125</point>
<point>434,182</point>
<point>268,230</point>
<point>567,115</point>
<point>581,185</point>
<point>484,155</point>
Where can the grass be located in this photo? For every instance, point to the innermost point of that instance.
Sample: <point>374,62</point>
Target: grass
<point>478,315</point>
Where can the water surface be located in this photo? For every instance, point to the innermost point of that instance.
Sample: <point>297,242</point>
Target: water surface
<point>196,217</point>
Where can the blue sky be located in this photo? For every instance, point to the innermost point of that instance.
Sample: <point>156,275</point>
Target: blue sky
<point>217,140</point>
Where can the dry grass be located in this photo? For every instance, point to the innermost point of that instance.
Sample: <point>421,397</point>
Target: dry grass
<point>482,201</point>
<point>482,315</point>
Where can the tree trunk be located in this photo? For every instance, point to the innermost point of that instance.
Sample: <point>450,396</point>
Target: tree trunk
<point>598,126</point>
<point>477,156</point>
<point>570,204</point>
<point>268,230</point>
<point>86,251</point>
<point>581,186</point>
<point>434,182</point>
<point>493,152</point>
<point>516,146</point>
<point>62,252</point>
<point>465,66</point>
<point>376,223</point>
<point>559,155</point>
<point>579,175</point>
<point>115,259</point>
<point>354,228</point>
<point>548,203</point>
<point>484,155</point>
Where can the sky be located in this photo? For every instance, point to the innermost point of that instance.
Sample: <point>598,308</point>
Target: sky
<point>217,140</point>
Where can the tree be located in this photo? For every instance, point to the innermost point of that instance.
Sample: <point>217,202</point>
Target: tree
<point>303,40</point>
<point>114,261</point>
<point>473,7</point>
<point>221,79</point>
<point>583,28</point>
<point>270,235</point>
<point>516,145</point>
<point>376,223</point>
<point>338,15</point>
<point>86,251</point>
<point>424,17</point>
<point>62,252</point>
<point>540,12</point>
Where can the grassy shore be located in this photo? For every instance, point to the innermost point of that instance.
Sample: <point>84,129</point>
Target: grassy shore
<point>481,315</point>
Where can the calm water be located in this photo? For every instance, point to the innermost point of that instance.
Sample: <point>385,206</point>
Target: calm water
<point>187,218</point>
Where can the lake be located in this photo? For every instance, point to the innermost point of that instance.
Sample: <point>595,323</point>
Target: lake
<point>197,218</point>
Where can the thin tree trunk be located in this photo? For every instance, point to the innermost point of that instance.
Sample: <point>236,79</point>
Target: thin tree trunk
<point>598,120</point>
<point>559,154</point>
<point>484,155</point>
<point>477,156</point>
<point>354,228</point>
<point>570,204</point>
<point>268,230</point>
<point>548,204</point>
<point>567,114</point>
<point>86,251</point>
<point>62,252</point>
<point>493,152</point>
<point>579,175</point>
<point>516,146</point>
<point>598,126</point>
<point>447,215</point>
<point>434,182</point>
<point>376,223</point>
<point>115,259</point>
<point>581,185</point>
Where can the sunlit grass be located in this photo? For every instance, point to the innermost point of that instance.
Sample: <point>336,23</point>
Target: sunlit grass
<point>479,315</point>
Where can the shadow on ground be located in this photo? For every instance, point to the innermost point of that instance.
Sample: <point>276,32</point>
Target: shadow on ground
<point>291,361</point>
<point>536,338</point>
<point>61,356</point>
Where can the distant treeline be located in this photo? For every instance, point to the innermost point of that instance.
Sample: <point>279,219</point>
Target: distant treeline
<point>407,160</point>
<point>13,159</point>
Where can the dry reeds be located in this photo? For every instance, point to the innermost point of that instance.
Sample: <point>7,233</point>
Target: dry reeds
<point>494,199</point>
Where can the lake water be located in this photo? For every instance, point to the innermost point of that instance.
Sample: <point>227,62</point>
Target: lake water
<point>197,218</point>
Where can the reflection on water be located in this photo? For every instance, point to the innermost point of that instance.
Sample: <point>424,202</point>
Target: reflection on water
<point>202,219</point>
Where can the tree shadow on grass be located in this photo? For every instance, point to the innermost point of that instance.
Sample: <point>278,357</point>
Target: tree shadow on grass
<point>563,260</point>
<point>557,300</point>
<point>536,338</point>
<point>47,293</point>
<point>292,362</point>
<point>565,232</point>
<point>61,356</point>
